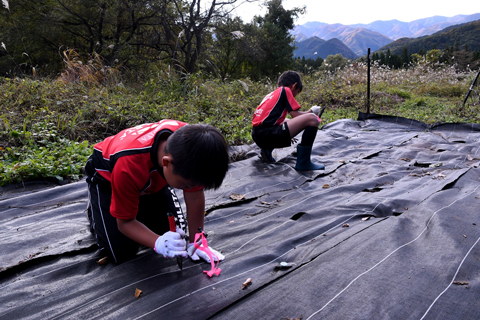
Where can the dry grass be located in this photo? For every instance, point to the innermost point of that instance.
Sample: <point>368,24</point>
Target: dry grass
<point>93,72</point>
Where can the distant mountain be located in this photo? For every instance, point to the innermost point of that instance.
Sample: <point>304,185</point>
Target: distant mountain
<point>315,47</point>
<point>457,35</point>
<point>357,39</point>
<point>378,34</point>
<point>395,29</point>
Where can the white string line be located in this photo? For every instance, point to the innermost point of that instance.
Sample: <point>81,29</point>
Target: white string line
<point>69,311</point>
<point>282,209</point>
<point>116,290</point>
<point>341,223</point>
<point>23,226</point>
<point>451,282</point>
<point>446,138</point>
<point>29,278</point>
<point>257,190</point>
<point>250,270</point>
<point>390,254</point>
<point>60,195</point>
<point>268,231</point>
<point>223,216</point>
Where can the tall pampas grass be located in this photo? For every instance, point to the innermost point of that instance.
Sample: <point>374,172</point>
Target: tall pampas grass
<point>93,71</point>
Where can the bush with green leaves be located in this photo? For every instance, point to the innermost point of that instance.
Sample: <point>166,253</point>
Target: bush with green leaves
<point>48,127</point>
<point>41,153</point>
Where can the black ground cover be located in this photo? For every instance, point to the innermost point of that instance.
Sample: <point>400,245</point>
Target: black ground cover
<point>390,230</point>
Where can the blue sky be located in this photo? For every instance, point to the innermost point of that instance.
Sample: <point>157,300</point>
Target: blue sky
<point>366,11</point>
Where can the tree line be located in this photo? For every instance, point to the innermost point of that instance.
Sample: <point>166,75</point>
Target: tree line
<point>144,36</point>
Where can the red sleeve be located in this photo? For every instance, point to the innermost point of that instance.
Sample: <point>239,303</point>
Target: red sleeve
<point>193,189</point>
<point>125,194</point>
<point>291,100</point>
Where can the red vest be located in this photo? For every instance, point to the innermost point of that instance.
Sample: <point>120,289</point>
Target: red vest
<point>128,160</point>
<point>274,107</point>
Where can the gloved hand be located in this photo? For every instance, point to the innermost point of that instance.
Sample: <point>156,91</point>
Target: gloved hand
<point>171,244</point>
<point>195,255</point>
<point>316,110</point>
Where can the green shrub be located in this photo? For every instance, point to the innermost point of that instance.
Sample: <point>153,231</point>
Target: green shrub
<point>47,127</point>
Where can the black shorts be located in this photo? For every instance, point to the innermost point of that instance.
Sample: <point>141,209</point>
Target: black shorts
<point>152,212</point>
<point>272,137</point>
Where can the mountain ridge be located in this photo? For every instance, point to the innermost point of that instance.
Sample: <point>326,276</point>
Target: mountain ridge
<point>377,34</point>
<point>315,47</point>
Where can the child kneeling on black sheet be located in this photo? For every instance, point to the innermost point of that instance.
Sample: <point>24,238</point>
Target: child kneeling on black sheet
<point>271,129</point>
<point>131,177</point>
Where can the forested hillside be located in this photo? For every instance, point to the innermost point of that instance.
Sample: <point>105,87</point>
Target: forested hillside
<point>458,36</point>
<point>459,45</point>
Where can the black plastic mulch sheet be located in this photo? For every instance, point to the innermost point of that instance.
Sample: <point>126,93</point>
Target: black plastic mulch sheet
<point>390,230</point>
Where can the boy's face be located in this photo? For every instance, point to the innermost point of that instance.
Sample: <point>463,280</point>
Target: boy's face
<point>174,180</point>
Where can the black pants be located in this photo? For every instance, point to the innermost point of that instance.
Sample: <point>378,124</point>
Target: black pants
<point>152,212</point>
<point>272,137</point>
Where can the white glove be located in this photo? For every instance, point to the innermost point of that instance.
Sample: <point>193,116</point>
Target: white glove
<point>195,255</point>
<point>316,110</point>
<point>171,244</point>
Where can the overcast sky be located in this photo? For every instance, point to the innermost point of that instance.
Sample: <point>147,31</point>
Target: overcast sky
<point>366,11</point>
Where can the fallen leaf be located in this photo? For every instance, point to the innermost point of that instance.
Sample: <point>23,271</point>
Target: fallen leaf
<point>345,225</point>
<point>237,196</point>
<point>469,158</point>
<point>460,283</point>
<point>326,186</point>
<point>102,261</point>
<point>435,165</point>
<point>264,202</point>
<point>405,159</point>
<point>246,283</point>
<point>137,293</point>
<point>232,221</point>
<point>299,318</point>
<point>365,219</point>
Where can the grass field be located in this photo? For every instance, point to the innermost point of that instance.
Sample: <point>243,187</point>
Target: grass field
<point>48,127</point>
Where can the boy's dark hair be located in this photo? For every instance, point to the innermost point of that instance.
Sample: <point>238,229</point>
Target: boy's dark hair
<point>200,154</point>
<point>288,78</point>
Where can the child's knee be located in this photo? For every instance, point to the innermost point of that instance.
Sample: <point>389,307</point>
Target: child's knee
<point>313,120</point>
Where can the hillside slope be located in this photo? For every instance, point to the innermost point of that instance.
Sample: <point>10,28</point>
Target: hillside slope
<point>315,47</point>
<point>459,36</point>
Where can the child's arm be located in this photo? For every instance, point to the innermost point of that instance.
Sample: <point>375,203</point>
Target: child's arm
<point>170,244</point>
<point>195,203</point>
<point>137,231</point>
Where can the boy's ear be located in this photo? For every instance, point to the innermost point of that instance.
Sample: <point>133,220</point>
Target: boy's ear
<point>166,160</point>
